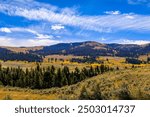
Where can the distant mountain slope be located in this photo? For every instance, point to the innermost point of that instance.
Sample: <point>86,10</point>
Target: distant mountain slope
<point>89,48</point>
<point>22,49</point>
<point>6,54</point>
<point>130,50</point>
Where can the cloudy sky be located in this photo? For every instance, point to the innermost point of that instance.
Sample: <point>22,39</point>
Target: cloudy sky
<point>47,22</point>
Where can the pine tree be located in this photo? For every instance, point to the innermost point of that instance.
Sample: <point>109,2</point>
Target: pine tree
<point>102,68</point>
<point>47,79</point>
<point>76,75</point>
<point>59,77</point>
<point>38,80</point>
<point>82,76</point>
<point>55,59</point>
<point>66,73</point>
<point>53,69</point>
<point>91,71</point>
<point>86,72</point>
<point>37,66</point>
<point>64,80</point>
<point>53,76</point>
<point>97,70</point>
<point>72,78</point>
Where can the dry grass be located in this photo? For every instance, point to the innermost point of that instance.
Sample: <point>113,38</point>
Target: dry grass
<point>57,64</point>
<point>112,62</point>
<point>120,62</point>
<point>144,57</point>
<point>123,84</point>
<point>8,93</point>
<point>64,57</point>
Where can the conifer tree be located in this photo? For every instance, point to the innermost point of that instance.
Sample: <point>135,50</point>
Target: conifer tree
<point>97,69</point>
<point>64,80</point>
<point>82,76</point>
<point>91,71</point>
<point>59,77</point>
<point>86,72</point>
<point>66,73</point>
<point>76,75</point>
<point>53,69</point>
<point>46,80</point>
<point>102,68</point>
<point>72,78</point>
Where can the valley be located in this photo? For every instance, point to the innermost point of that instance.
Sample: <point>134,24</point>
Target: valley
<point>86,70</point>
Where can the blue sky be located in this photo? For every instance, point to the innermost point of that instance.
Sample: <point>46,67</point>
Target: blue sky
<point>47,22</point>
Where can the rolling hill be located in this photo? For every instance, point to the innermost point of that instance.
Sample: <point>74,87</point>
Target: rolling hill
<point>122,84</point>
<point>88,48</point>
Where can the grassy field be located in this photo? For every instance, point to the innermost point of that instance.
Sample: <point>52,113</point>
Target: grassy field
<point>126,83</point>
<point>58,64</point>
<point>113,62</point>
<point>121,84</point>
<point>64,57</point>
<point>23,94</point>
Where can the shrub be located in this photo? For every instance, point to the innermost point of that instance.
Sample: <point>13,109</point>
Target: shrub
<point>7,97</point>
<point>124,93</point>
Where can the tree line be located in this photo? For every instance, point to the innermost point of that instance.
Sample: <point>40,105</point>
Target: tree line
<point>87,59</point>
<point>41,78</point>
<point>137,61</point>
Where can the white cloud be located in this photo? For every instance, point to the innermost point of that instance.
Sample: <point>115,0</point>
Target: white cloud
<point>6,41</point>
<point>57,27</point>
<point>16,29</point>
<point>128,16</point>
<point>41,36</point>
<point>113,12</point>
<point>103,39</point>
<point>69,11</point>
<point>138,42</point>
<point>6,30</point>
<point>38,35</point>
<point>39,42</point>
<point>103,23</point>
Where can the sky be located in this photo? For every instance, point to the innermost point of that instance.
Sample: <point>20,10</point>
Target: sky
<point>47,22</point>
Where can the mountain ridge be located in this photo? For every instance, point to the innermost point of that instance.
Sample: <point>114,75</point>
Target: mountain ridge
<point>87,48</point>
<point>70,43</point>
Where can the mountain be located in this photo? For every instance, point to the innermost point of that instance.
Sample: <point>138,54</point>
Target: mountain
<point>88,48</point>
<point>91,48</point>
<point>130,50</point>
